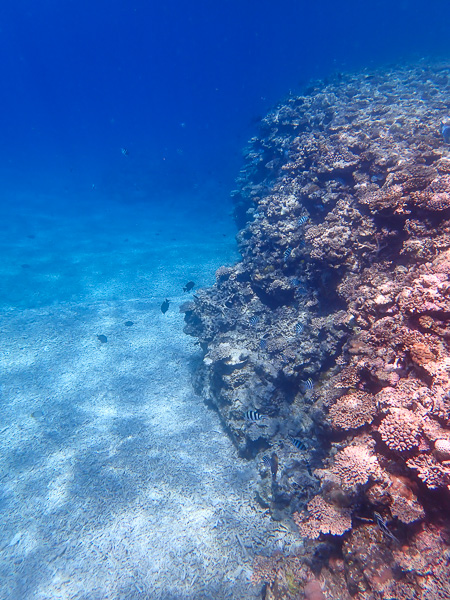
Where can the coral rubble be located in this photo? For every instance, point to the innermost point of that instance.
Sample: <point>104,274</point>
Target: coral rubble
<point>334,329</point>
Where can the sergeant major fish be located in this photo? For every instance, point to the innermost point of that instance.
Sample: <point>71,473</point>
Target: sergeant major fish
<point>287,253</point>
<point>253,415</point>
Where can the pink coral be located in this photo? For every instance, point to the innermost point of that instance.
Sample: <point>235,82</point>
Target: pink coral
<point>354,466</point>
<point>406,510</point>
<point>400,430</point>
<point>429,471</point>
<point>323,518</point>
<point>436,196</point>
<point>390,397</point>
<point>442,447</point>
<point>264,570</point>
<point>353,410</point>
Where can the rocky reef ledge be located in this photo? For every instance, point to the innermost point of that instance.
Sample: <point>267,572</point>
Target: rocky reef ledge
<point>326,348</point>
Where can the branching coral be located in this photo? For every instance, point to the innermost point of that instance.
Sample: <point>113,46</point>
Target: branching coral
<point>355,465</point>
<point>433,474</point>
<point>323,518</point>
<point>400,430</point>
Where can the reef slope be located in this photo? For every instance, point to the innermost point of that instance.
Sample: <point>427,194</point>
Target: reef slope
<point>326,347</point>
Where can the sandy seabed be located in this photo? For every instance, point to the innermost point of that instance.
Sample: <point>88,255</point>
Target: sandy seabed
<point>117,482</point>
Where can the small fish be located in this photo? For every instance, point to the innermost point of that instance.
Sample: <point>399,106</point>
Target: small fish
<point>287,253</point>
<point>128,323</point>
<point>266,461</point>
<point>263,344</point>
<point>308,384</point>
<point>302,289</point>
<point>382,524</point>
<point>254,320</point>
<point>299,328</point>
<point>446,133</point>
<point>124,151</point>
<point>302,220</point>
<point>102,338</point>
<point>165,306</point>
<point>188,287</point>
<point>37,414</point>
<point>298,443</point>
<point>274,464</point>
<point>252,415</point>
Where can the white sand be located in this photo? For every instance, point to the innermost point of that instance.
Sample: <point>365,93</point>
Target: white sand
<point>116,481</point>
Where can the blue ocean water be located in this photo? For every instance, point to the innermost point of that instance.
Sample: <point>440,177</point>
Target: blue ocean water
<point>122,127</point>
<point>179,84</point>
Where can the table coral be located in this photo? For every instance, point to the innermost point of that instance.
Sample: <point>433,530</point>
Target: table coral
<point>323,518</point>
<point>355,465</point>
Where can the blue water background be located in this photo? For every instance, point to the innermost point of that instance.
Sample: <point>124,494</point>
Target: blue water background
<point>130,103</point>
<point>178,84</point>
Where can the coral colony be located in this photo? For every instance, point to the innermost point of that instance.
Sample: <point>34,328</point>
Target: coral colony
<point>344,210</point>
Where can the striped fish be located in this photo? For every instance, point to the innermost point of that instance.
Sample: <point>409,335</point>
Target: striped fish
<point>299,328</point>
<point>274,465</point>
<point>382,524</point>
<point>302,220</point>
<point>298,443</point>
<point>254,320</point>
<point>266,461</point>
<point>263,344</point>
<point>308,384</point>
<point>252,415</point>
<point>271,462</point>
<point>287,253</point>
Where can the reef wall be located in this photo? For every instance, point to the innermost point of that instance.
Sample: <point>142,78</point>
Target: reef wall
<point>326,348</point>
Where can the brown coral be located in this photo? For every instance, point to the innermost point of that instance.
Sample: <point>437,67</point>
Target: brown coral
<point>323,518</point>
<point>353,411</point>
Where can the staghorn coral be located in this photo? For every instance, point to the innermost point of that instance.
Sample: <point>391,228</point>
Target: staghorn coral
<point>323,518</point>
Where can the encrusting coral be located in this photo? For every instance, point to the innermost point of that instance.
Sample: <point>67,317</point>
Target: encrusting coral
<point>334,331</point>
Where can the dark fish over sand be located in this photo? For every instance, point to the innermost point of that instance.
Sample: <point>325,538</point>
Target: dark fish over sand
<point>165,306</point>
<point>188,287</point>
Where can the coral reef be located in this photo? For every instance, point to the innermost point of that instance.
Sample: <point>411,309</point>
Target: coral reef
<point>333,331</point>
